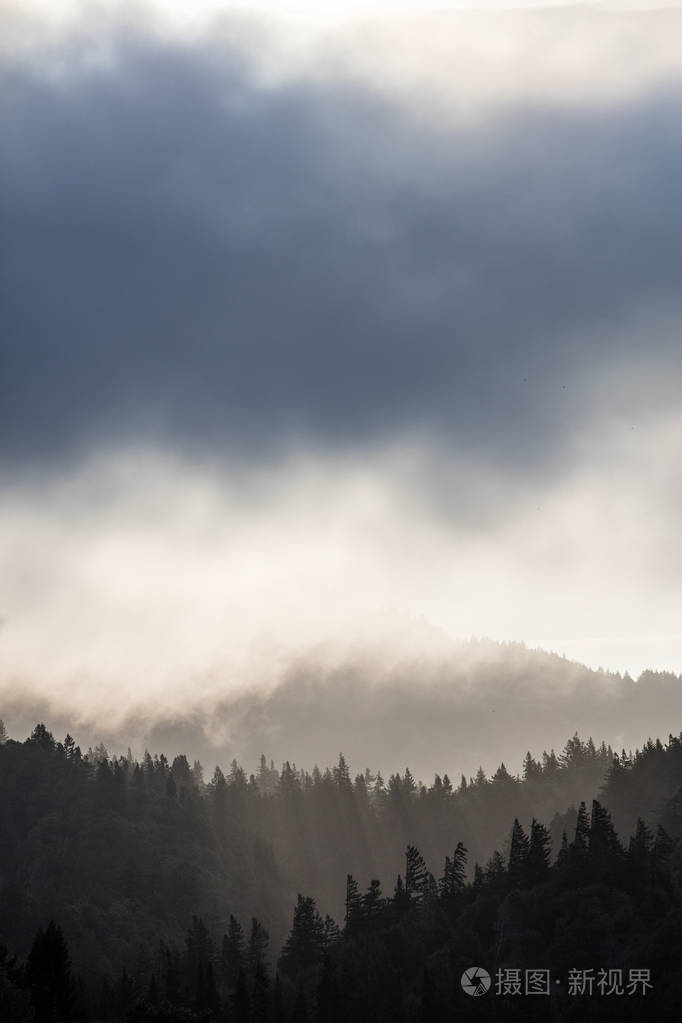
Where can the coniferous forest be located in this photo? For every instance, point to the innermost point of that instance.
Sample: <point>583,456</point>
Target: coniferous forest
<point>135,891</point>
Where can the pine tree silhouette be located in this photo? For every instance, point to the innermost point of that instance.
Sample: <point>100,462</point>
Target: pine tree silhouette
<point>538,858</point>
<point>518,855</point>
<point>49,977</point>
<point>415,873</point>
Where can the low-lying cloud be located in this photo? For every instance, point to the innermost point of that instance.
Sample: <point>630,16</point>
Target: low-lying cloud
<point>143,581</point>
<point>303,341</point>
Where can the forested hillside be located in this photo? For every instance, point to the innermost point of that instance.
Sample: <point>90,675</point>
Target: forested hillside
<point>177,892</point>
<point>378,706</point>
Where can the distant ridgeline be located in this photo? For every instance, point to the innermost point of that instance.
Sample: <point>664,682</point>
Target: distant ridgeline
<point>137,891</point>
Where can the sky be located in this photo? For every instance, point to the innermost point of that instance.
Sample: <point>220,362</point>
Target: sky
<point>315,327</point>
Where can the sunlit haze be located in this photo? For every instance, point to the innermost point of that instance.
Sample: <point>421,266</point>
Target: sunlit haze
<point>334,328</point>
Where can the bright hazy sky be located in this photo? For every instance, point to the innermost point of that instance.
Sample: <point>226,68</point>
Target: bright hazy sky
<point>308,331</point>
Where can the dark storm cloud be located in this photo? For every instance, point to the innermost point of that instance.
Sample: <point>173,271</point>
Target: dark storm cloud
<point>229,266</point>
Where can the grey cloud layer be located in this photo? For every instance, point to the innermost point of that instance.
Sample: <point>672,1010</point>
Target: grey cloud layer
<point>229,266</point>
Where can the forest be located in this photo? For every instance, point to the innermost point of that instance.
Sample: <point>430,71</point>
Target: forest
<point>141,890</point>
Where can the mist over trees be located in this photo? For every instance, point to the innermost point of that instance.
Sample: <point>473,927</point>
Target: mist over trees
<point>144,891</point>
<point>479,702</point>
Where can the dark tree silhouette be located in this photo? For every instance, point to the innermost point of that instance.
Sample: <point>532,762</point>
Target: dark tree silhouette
<point>232,958</point>
<point>49,977</point>
<point>303,948</point>
<point>353,902</point>
<point>518,855</point>
<point>415,873</point>
<point>539,854</point>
